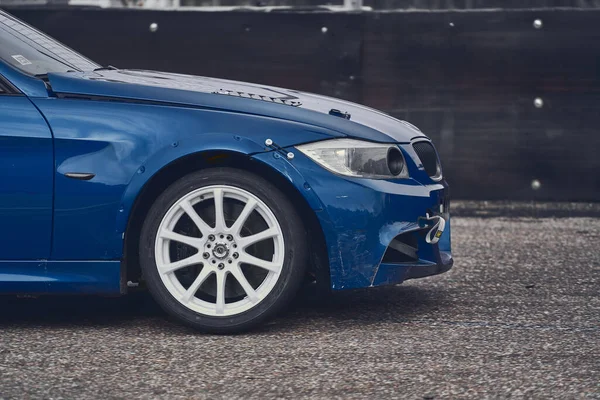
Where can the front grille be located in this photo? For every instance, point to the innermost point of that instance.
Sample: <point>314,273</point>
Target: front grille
<point>428,158</point>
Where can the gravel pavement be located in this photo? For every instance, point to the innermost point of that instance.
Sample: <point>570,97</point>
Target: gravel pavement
<point>518,316</point>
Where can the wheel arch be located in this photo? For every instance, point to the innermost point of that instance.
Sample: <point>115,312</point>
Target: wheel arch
<point>224,158</point>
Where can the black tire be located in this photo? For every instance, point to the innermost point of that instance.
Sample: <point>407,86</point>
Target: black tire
<point>295,257</point>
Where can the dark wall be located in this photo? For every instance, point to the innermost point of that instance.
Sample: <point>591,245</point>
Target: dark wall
<point>468,79</point>
<point>404,4</point>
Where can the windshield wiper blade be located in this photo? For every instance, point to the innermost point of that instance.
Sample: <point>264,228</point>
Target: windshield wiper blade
<point>108,68</point>
<point>45,74</point>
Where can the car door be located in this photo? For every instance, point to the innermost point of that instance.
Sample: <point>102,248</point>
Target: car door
<point>26,178</point>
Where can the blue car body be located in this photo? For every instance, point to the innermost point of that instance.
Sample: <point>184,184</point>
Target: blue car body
<point>125,128</point>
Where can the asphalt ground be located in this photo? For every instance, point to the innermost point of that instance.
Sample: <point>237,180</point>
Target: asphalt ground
<point>517,317</point>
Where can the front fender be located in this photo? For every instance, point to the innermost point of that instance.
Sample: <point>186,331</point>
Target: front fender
<point>176,151</point>
<point>123,145</point>
<point>285,168</point>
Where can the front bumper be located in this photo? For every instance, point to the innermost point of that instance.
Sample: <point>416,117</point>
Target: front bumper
<point>360,221</point>
<point>361,217</point>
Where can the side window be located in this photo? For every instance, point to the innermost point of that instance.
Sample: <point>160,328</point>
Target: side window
<point>5,87</point>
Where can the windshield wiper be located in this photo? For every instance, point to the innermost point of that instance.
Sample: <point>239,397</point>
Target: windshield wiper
<point>109,68</point>
<point>44,76</point>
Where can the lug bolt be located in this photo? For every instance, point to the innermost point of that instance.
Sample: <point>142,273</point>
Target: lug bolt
<point>235,255</point>
<point>235,246</point>
<point>205,255</point>
<point>229,237</point>
<point>211,237</point>
<point>213,261</point>
<point>221,266</point>
<point>222,236</point>
<point>229,261</point>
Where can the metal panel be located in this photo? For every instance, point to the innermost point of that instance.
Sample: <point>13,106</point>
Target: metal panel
<point>61,277</point>
<point>26,166</point>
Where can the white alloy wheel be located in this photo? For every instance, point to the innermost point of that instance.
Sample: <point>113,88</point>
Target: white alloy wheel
<point>232,259</point>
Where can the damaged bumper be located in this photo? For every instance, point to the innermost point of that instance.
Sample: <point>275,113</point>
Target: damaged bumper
<point>379,232</point>
<point>376,231</point>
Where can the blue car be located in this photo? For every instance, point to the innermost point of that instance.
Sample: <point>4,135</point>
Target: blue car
<point>220,197</point>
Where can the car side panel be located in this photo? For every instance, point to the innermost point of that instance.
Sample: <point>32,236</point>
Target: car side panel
<point>124,145</point>
<point>61,277</point>
<point>26,177</point>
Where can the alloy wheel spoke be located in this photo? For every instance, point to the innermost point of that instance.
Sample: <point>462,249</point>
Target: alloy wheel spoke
<point>258,262</point>
<point>221,280</point>
<point>204,228</point>
<point>189,240</point>
<point>241,219</point>
<point>191,291</point>
<point>219,212</point>
<point>225,255</point>
<point>239,276</point>
<point>174,266</point>
<point>249,240</point>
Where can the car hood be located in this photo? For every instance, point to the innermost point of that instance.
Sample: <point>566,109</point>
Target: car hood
<point>346,118</point>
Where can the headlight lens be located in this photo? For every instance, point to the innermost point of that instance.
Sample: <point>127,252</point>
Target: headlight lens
<point>358,158</point>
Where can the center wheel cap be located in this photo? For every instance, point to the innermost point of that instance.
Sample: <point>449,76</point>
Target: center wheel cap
<point>221,250</point>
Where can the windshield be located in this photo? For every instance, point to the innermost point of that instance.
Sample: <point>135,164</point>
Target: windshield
<point>34,53</point>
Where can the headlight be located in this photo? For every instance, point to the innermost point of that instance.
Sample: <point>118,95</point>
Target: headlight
<point>358,158</point>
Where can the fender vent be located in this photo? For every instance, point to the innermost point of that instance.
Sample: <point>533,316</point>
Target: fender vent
<point>288,100</point>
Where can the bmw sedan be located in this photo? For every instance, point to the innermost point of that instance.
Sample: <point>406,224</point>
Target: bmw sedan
<point>219,197</point>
